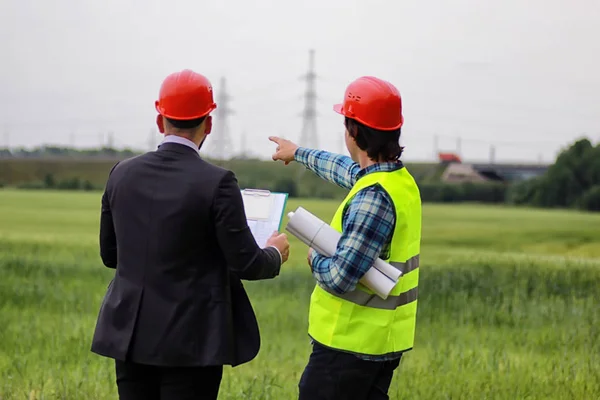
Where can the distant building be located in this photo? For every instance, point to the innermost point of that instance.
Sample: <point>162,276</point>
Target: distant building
<point>478,173</point>
<point>449,158</point>
<point>459,173</point>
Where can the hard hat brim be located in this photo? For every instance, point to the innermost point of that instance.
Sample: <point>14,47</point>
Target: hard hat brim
<point>339,108</point>
<point>179,118</point>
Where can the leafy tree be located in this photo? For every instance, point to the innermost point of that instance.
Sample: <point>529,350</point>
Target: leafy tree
<point>571,181</point>
<point>591,199</point>
<point>49,181</point>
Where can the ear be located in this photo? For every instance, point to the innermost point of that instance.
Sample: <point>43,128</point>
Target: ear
<point>160,123</point>
<point>208,128</point>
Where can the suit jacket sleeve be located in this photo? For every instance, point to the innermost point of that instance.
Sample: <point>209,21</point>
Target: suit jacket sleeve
<point>244,257</point>
<point>108,238</point>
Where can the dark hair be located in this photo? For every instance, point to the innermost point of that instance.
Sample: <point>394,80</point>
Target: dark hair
<point>379,145</point>
<point>186,124</point>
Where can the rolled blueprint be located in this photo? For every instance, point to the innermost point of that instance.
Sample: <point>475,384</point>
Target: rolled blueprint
<point>380,278</point>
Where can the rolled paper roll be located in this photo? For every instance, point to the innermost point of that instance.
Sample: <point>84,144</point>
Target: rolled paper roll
<point>312,231</point>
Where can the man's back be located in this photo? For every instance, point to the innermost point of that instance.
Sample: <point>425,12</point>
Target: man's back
<point>174,228</point>
<point>170,303</point>
<point>158,202</point>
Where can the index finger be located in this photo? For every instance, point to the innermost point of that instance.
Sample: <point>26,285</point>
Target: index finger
<point>274,139</point>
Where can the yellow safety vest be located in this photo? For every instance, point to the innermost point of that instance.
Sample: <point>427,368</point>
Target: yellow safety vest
<point>360,321</point>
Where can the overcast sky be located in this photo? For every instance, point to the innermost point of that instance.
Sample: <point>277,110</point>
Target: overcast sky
<point>521,74</point>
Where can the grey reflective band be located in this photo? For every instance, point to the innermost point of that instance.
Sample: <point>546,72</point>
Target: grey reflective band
<point>372,300</point>
<point>405,267</point>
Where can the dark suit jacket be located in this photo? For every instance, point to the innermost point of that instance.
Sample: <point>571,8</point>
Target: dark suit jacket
<point>174,227</point>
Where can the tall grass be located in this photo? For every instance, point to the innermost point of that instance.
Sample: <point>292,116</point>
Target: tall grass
<point>508,307</point>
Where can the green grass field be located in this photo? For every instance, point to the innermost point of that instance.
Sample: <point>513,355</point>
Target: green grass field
<point>509,306</point>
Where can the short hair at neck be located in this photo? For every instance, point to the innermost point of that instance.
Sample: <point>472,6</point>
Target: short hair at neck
<point>379,145</point>
<point>185,124</point>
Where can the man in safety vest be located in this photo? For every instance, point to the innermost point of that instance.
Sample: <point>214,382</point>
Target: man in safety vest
<point>359,338</point>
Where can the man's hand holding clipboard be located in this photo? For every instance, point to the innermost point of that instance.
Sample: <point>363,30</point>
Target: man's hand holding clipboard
<point>264,212</point>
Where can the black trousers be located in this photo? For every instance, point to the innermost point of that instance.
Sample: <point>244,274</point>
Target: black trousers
<point>145,382</point>
<point>335,375</point>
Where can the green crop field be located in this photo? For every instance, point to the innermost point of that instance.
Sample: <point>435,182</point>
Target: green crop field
<point>509,306</point>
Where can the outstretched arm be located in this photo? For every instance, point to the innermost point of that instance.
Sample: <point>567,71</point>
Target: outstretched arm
<point>334,168</point>
<point>368,224</point>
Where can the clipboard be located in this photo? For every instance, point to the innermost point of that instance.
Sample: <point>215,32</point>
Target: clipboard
<point>264,212</point>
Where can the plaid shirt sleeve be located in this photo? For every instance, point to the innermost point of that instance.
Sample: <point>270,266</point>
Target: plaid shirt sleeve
<point>334,168</point>
<point>368,224</point>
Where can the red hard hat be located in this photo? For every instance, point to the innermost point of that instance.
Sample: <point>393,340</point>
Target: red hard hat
<point>372,102</point>
<point>185,95</point>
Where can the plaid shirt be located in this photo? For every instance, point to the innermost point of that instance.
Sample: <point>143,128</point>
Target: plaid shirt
<point>368,223</point>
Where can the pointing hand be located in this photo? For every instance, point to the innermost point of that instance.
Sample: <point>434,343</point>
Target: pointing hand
<point>285,149</point>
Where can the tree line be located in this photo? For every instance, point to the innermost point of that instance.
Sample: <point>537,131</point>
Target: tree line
<point>573,181</point>
<point>59,151</point>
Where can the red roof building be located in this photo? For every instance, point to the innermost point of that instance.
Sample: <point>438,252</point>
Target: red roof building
<point>447,158</point>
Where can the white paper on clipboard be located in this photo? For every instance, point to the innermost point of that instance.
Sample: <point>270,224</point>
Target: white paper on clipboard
<point>257,205</point>
<point>264,212</point>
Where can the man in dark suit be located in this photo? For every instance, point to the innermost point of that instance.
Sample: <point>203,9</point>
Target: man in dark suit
<point>174,228</point>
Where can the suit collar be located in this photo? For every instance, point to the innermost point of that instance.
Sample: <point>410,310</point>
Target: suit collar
<point>178,148</point>
<point>180,140</point>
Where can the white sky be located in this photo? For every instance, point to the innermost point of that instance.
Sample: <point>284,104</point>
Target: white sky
<point>523,74</point>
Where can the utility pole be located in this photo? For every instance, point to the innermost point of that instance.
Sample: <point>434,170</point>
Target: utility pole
<point>6,137</point>
<point>492,154</point>
<point>308,135</point>
<point>458,146</point>
<point>436,147</point>
<point>110,142</point>
<point>220,141</point>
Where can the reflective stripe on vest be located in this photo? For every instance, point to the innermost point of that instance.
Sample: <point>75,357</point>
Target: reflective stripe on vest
<point>359,321</point>
<point>372,300</point>
<point>406,267</point>
<point>393,301</point>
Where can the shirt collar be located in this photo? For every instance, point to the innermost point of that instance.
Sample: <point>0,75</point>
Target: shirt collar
<point>180,140</point>
<point>381,167</point>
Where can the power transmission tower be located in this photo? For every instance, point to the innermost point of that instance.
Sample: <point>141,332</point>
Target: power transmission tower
<point>219,139</point>
<point>152,140</point>
<point>243,149</point>
<point>110,142</point>
<point>308,135</point>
